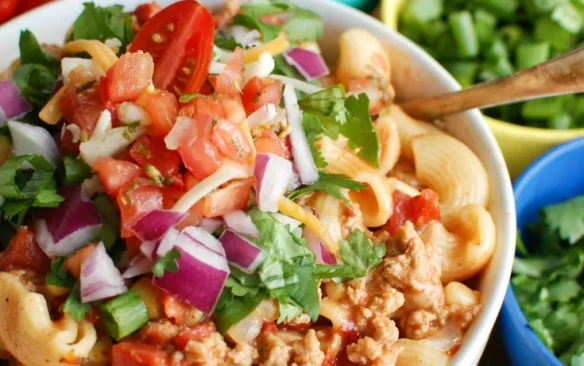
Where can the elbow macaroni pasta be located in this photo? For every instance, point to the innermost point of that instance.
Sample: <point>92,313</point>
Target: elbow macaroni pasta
<point>29,334</point>
<point>389,143</point>
<point>98,51</point>
<point>362,55</point>
<point>374,201</point>
<point>452,170</point>
<point>417,353</point>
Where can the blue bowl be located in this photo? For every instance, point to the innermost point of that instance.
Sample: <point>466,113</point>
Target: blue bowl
<point>556,176</point>
<point>364,5</point>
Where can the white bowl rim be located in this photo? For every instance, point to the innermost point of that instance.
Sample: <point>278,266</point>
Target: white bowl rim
<point>478,335</point>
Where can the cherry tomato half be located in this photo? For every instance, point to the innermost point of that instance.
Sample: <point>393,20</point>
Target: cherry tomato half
<point>7,9</point>
<point>180,39</point>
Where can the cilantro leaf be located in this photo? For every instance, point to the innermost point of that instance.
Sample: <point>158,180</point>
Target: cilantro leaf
<point>31,52</point>
<point>103,23</point>
<point>300,24</point>
<point>110,218</point>
<point>166,263</point>
<point>348,116</point>
<point>269,32</point>
<point>359,255</point>
<point>287,312</point>
<point>567,218</point>
<point>36,83</point>
<point>242,283</point>
<point>287,269</point>
<point>313,128</point>
<point>58,276</point>
<point>227,43</point>
<point>231,309</point>
<point>329,184</point>
<point>73,305</point>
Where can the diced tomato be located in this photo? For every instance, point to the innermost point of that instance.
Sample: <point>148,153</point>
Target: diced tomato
<point>156,334</point>
<point>194,215</point>
<point>170,196</point>
<point>23,252</point>
<point>134,353</point>
<point>197,333</point>
<point>259,92</point>
<point>180,39</point>
<point>68,147</point>
<point>113,173</point>
<point>230,81</point>
<point>233,108</point>
<point>174,308</point>
<point>235,196</point>
<point>420,210</point>
<point>189,180</point>
<point>231,141</point>
<point>7,9</point>
<point>163,109</point>
<point>269,327</point>
<point>133,246</point>
<point>152,150</point>
<point>129,77</point>
<point>74,262</point>
<point>81,101</point>
<point>144,12</point>
<point>135,199</point>
<point>270,143</point>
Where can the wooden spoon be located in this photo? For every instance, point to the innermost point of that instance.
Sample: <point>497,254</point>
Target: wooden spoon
<point>561,75</point>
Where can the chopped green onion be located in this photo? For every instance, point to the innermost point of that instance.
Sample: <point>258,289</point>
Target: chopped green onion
<point>434,29</point>
<point>421,11</point>
<point>124,315</point>
<point>546,30</point>
<point>560,122</point>
<point>511,36</point>
<point>16,182</point>
<point>493,70</point>
<point>531,54</point>
<point>464,33</point>
<point>485,24</point>
<point>463,71</point>
<point>568,17</point>
<point>501,8</point>
<point>73,171</point>
<point>542,108</point>
<point>496,50</point>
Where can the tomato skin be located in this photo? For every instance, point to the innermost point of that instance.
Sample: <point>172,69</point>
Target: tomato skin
<point>230,81</point>
<point>235,196</point>
<point>420,210</point>
<point>7,9</point>
<point>84,108</point>
<point>163,109</point>
<point>73,263</point>
<point>174,308</point>
<point>197,333</point>
<point>114,174</point>
<point>258,92</point>
<point>129,77</point>
<point>180,39</point>
<point>170,196</point>
<point>231,142</point>
<point>23,252</point>
<point>152,150</point>
<point>270,143</point>
<point>137,198</point>
<point>133,353</point>
<point>133,246</point>
<point>144,12</point>
<point>26,5</point>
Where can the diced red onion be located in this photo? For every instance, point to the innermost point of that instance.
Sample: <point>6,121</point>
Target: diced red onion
<point>138,266</point>
<point>30,139</point>
<point>210,225</point>
<point>62,230</point>
<point>240,252</point>
<point>182,125</point>
<point>200,277</point>
<point>272,175</point>
<point>148,249</point>
<point>100,279</point>
<point>241,223</point>
<point>303,159</point>
<point>309,63</point>
<point>286,220</point>
<point>321,253</point>
<point>204,238</point>
<point>167,242</point>
<point>129,113</point>
<point>155,223</point>
<point>12,103</point>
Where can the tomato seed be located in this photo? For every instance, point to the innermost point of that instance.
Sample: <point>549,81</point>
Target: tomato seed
<point>157,38</point>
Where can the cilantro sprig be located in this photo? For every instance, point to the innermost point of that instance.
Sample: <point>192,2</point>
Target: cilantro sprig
<point>331,185</point>
<point>167,263</point>
<point>103,23</point>
<point>73,305</point>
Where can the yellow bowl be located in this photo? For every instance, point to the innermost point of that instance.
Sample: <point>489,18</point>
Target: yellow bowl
<point>520,145</point>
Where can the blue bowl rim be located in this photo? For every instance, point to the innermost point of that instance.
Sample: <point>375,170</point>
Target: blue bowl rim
<point>510,304</point>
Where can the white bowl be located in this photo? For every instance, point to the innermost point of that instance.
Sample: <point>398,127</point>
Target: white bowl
<point>414,74</point>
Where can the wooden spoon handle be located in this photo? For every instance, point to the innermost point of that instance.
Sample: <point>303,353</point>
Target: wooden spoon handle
<point>562,75</point>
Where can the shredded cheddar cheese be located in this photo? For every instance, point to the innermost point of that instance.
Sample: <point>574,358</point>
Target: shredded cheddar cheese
<point>98,51</point>
<point>275,47</point>
<point>51,112</point>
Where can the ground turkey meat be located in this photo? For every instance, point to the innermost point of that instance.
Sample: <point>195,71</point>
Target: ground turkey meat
<point>379,347</point>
